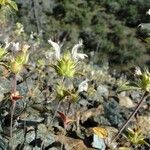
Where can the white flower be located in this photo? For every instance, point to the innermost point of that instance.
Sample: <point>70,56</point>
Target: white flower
<point>33,35</point>
<point>56,47</point>
<point>138,71</point>
<point>148,12</point>
<point>92,73</point>
<point>15,46</point>
<point>83,86</point>
<point>76,55</point>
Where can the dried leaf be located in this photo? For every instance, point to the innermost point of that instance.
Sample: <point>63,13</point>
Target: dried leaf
<point>64,118</point>
<point>15,96</point>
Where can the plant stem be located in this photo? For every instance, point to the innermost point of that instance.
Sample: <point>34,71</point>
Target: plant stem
<point>55,113</point>
<point>69,106</point>
<point>11,124</point>
<point>14,83</point>
<point>145,95</point>
<point>13,110</point>
<point>62,144</point>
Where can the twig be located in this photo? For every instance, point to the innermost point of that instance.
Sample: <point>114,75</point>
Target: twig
<point>62,144</point>
<point>145,95</point>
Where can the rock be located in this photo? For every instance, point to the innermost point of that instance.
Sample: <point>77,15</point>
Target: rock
<point>102,90</point>
<point>18,138</point>
<point>45,135</point>
<point>135,95</point>
<point>92,113</point>
<point>71,143</point>
<point>98,142</point>
<point>125,101</point>
<point>144,123</point>
<point>30,136</point>
<point>5,85</point>
<point>113,113</point>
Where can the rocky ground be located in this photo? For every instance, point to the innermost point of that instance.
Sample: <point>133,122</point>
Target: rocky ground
<point>83,112</point>
<point>40,124</point>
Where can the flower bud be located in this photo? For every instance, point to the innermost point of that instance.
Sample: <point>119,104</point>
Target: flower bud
<point>138,71</point>
<point>22,58</point>
<point>65,66</point>
<point>15,67</point>
<point>25,48</point>
<point>145,81</point>
<point>2,52</point>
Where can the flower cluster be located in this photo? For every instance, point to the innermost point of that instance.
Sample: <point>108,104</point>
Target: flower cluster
<point>144,80</point>
<point>20,59</point>
<point>75,55</point>
<point>66,63</point>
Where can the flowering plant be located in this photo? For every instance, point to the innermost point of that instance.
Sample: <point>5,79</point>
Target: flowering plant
<point>66,63</point>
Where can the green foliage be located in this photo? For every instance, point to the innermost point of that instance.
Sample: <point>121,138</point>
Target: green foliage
<point>2,53</point>
<point>6,7</point>
<point>135,136</point>
<point>20,60</point>
<point>15,67</point>
<point>127,86</point>
<point>63,92</point>
<point>101,24</point>
<point>9,3</point>
<point>65,66</point>
<point>142,82</point>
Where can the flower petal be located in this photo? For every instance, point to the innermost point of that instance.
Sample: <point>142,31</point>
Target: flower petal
<point>56,47</point>
<point>81,56</point>
<point>75,48</point>
<point>83,86</point>
<point>148,12</point>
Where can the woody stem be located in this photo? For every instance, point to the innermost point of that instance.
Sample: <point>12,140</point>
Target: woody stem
<point>145,95</point>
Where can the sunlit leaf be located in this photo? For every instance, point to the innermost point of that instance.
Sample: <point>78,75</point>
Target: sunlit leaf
<point>127,87</point>
<point>13,5</point>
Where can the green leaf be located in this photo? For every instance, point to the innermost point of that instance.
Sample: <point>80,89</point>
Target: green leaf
<point>2,2</point>
<point>13,5</point>
<point>127,87</point>
<point>143,142</point>
<point>2,53</point>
